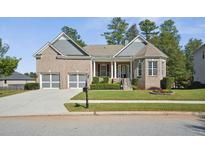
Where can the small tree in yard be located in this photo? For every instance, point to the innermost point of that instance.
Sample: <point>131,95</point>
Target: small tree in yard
<point>7,64</point>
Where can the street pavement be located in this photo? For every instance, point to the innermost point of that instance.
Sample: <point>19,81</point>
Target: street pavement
<point>37,102</point>
<point>104,125</point>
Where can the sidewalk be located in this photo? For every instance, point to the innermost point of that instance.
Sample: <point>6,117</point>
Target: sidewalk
<point>138,101</point>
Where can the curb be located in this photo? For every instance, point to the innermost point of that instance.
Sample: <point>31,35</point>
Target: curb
<point>113,113</point>
<point>141,101</point>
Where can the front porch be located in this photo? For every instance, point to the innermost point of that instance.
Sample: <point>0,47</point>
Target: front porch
<point>113,69</point>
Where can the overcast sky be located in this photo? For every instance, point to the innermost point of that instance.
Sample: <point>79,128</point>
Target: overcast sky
<point>26,35</point>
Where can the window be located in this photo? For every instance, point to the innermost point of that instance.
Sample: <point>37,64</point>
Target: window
<point>139,68</point>
<point>103,70</point>
<point>203,55</point>
<point>152,68</point>
<point>5,81</point>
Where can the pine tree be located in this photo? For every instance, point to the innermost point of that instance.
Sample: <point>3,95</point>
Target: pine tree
<point>190,47</point>
<point>117,31</point>
<point>132,32</point>
<point>148,28</point>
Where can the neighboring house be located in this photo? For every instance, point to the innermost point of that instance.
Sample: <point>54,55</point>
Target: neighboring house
<point>199,64</point>
<point>63,64</point>
<point>15,81</point>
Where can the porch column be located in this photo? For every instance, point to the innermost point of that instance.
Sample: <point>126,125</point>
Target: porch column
<point>111,69</point>
<point>115,70</point>
<point>130,69</point>
<point>94,69</point>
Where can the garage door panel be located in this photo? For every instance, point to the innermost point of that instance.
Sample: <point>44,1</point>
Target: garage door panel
<point>82,77</point>
<point>50,80</point>
<point>55,77</point>
<point>45,85</point>
<point>55,85</point>
<point>77,80</point>
<point>46,77</point>
<point>81,85</point>
<point>73,85</point>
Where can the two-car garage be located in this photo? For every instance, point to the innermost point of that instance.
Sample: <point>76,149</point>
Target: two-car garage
<point>52,80</point>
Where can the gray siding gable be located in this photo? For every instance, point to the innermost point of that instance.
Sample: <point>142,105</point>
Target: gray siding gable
<point>68,48</point>
<point>132,49</point>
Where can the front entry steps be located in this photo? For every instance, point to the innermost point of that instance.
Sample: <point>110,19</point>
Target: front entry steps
<point>126,84</point>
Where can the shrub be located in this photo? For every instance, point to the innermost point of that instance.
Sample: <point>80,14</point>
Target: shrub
<point>31,86</point>
<point>96,80</point>
<point>105,86</point>
<point>105,80</point>
<point>196,84</point>
<point>134,87</point>
<point>135,82</point>
<point>167,82</point>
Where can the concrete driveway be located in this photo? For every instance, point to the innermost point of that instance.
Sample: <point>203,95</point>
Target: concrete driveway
<point>39,102</point>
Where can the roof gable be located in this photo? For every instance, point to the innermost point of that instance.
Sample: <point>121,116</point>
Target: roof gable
<point>65,46</point>
<point>139,47</point>
<point>133,47</point>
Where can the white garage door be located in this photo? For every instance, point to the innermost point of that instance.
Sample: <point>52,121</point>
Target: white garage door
<point>76,80</point>
<point>50,81</point>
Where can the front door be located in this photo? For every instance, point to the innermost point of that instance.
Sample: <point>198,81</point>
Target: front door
<point>123,71</point>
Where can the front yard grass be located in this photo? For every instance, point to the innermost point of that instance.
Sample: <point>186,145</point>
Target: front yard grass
<point>72,107</point>
<point>192,94</point>
<point>10,92</point>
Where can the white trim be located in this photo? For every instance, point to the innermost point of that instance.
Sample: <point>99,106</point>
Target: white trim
<point>152,68</point>
<point>111,69</point>
<point>63,34</point>
<point>115,70</point>
<point>77,80</point>
<point>94,68</point>
<point>50,81</point>
<point>138,36</point>
<point>40,80</point>
<point>91,71</point>
<point>131,70</point>
<point>54,40</point>
<point>40,51</point>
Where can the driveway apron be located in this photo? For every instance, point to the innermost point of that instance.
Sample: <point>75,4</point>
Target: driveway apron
<point>37,102</point>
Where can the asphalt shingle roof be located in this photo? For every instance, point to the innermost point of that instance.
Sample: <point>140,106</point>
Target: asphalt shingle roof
<point>16,76</point>
<point>150,51</point>
<point>103,50</point>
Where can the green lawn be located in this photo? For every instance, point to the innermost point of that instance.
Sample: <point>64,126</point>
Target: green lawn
<point>10,92</point>
<point>135,107</point>
<point>193,94</point>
